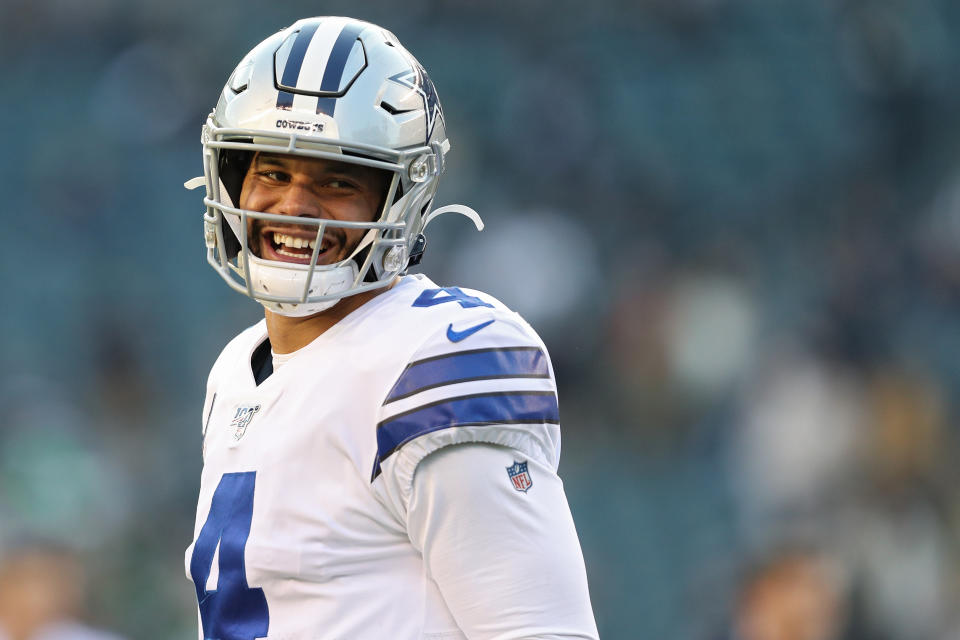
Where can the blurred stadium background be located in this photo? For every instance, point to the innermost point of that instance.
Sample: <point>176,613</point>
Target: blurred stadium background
<point>736,223</point>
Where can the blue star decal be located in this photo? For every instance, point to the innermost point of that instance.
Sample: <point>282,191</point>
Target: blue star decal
<point>418,80</point>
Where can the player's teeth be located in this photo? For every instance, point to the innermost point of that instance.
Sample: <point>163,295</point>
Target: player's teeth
<point>292,242</point>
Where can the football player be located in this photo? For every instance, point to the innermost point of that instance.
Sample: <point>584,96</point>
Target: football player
<point>380,453</point>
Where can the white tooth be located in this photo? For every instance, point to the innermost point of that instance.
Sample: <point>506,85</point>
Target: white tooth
<point>298,243</point>
<point>313,244</point>
<point>276,238</point>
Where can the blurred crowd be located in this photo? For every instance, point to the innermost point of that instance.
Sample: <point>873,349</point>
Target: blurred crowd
<point>41,595</point>
<point>736,224</point>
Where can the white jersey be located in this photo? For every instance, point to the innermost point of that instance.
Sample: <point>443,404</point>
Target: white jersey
<point>316,519</point>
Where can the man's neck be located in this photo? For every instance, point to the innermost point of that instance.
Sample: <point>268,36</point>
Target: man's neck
<point>289,334</point>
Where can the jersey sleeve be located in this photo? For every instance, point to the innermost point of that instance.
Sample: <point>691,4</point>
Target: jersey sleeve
<point>495,387</point>
<point>504,555</point>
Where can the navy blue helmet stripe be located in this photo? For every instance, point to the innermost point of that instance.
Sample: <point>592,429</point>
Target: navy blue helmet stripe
<point>333,74</point>
<point>464,366</point>
<point>521,407</point>
<point>291,71</point>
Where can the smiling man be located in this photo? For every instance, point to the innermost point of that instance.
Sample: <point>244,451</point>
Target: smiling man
<point>284,184</point>
<point>380,453</point>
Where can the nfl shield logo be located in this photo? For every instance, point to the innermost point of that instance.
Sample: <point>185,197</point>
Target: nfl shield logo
<point>240,422</point>
<point>519,476</point>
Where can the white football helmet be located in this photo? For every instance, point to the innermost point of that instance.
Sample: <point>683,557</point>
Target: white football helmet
<point>333,88</point>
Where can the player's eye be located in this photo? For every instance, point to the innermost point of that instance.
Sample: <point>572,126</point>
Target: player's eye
<point>275,175</point>
<point>338,183</point>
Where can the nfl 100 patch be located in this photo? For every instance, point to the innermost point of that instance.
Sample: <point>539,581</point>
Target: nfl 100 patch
<point>519,476</point>
<point>241,420</point>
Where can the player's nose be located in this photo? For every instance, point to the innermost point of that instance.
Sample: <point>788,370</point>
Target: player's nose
<point>299,199</point>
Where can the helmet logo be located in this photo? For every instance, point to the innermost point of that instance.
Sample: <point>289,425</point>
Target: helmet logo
<point>418,80</point>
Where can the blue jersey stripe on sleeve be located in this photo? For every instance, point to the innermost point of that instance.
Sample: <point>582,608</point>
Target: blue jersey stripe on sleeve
<point>480,409</point>
<point>465,366</point>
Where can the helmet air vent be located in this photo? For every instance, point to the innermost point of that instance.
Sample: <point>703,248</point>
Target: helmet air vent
<point>240,78</point>
<point>392,110</point>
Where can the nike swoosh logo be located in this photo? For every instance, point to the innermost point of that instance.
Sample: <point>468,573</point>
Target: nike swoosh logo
<point>457,336</point>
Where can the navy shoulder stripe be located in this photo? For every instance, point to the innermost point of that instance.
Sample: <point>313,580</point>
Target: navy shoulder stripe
<point>509,407</point>
<point>465,366</point>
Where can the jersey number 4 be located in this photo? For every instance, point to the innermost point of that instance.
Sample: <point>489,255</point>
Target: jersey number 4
<point>233,611</point>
